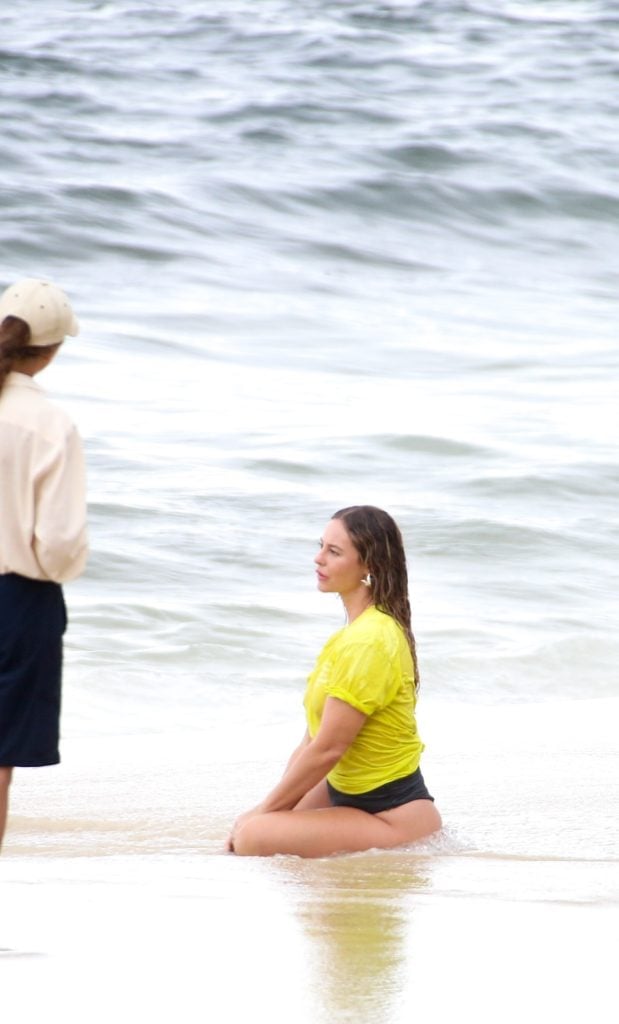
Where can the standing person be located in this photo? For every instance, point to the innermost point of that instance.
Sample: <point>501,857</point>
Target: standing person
<point>43,539</point>
<point>354,781</point>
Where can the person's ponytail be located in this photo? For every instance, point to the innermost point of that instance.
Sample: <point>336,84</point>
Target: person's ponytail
<point>14,339</point>
<point>15,347</point>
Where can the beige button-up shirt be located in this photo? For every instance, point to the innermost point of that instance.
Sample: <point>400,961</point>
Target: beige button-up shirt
<point>42,486</point>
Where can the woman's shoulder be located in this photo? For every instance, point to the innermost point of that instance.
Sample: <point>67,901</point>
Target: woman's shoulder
<point>373,627</point>
<point>28,406</point>
<point>373,620</point>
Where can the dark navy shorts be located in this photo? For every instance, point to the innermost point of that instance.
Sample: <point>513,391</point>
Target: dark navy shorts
<point>383,798</point>
<point>32,622</point>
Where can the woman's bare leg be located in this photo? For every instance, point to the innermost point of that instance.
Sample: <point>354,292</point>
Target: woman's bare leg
<point>5,781</point>
<point>327,830</point>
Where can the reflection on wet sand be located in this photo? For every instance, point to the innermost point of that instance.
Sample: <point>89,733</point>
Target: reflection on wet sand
<point>355,913</point>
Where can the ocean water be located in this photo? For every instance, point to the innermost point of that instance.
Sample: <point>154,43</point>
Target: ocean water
<point>323,254</point>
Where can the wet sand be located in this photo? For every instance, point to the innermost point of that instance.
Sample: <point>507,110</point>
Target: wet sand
<point>117,901</point>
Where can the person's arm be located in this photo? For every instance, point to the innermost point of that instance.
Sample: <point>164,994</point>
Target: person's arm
<point>339,726</point>
<point>298,750</point>
<point>60,534</point>
<point>296,753</point>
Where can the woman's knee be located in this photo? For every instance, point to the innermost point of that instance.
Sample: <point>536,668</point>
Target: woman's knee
<point>251,840</point>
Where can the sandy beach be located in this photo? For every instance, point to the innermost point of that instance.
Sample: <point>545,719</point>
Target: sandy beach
<point>118,900</point>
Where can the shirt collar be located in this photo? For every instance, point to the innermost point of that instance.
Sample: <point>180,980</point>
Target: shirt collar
<point>22,380</point>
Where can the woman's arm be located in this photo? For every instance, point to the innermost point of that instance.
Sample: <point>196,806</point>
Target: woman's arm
<point>311,760</point>
<point>297,750</point>
<point>339,726</point>
<point>60,540</point>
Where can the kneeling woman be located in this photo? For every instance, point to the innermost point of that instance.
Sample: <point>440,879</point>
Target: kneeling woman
<point>354,781</point>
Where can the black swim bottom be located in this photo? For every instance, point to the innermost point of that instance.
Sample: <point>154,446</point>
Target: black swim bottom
<point>383,798</point>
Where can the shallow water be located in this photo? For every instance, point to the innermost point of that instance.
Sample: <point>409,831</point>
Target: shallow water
<point>122,864</point>
<point>395,935</point>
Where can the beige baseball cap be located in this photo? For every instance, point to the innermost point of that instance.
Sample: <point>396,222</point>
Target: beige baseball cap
<point>44,307</point>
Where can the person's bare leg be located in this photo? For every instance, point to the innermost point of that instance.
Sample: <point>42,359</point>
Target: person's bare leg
<point>321,832</point>
<point>5,781</point>
<point>315,798</point>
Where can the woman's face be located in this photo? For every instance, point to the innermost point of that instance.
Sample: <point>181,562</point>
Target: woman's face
<point>339,570</point>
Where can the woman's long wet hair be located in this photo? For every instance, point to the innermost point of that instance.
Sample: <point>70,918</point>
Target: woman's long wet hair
<point>378,541</point>
<point>15,347</point>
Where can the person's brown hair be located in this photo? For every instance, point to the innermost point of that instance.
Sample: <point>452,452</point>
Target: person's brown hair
<point>378,540</point>
<point>15,346</point>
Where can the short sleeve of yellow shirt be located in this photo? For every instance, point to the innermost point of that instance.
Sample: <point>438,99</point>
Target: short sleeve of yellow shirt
<point>368,665</point>
<point>362,676</point>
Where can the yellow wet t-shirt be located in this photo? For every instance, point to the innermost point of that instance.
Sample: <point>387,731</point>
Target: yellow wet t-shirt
<point>368,664</point>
